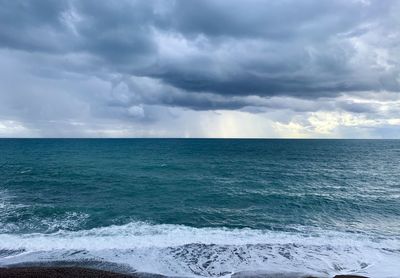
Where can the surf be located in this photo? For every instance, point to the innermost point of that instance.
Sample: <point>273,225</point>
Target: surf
<point>178,250</point>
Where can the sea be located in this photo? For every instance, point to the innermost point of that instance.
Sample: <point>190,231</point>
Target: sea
<point>202,207</point>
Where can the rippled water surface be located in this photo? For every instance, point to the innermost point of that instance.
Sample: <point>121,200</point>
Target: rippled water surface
<point>203,207</point>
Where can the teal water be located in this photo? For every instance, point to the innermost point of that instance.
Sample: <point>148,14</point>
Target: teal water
<point>203,207</point>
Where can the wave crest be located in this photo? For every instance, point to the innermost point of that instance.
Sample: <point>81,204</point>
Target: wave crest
<point>182,250</point>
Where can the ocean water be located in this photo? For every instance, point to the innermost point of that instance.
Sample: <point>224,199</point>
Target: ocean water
<point>202,208</point>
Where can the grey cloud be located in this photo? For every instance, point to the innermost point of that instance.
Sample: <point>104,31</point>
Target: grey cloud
<point>273,48</point>
<point>274,20</point>
<point>126,59</point>
<point>33,26</point>
<point>357,107</point>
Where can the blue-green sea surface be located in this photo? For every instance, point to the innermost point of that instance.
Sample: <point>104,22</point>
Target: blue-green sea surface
<point>200,207</point>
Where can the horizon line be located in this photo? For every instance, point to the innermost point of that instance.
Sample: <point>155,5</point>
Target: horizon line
<point>191,138</point>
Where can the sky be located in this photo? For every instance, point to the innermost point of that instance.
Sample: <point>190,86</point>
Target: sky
<point>200,68</point>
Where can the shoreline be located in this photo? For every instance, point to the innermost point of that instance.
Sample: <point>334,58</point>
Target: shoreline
<point>80,272</point>
<point>59,272</point>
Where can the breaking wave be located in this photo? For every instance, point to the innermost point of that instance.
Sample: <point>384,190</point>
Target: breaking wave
<point>178,250</point>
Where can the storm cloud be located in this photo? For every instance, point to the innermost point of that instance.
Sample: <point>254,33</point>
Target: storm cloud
<point>153,68</point>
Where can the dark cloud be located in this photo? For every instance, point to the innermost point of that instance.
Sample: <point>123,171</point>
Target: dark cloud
<point>255,55</point>
<point>272,20</point>
<point>272,48</point>
<point>33,26</point>
<point>357,107</point>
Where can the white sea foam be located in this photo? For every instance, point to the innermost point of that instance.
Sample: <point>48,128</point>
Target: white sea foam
<point>181,250</point>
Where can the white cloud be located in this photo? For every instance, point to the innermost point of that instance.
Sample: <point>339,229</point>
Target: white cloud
<point>164,69</point>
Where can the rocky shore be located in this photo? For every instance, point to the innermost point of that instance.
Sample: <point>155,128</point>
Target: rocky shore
<point>78,272</point>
